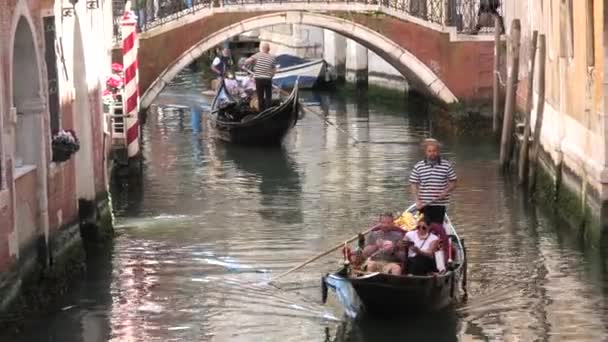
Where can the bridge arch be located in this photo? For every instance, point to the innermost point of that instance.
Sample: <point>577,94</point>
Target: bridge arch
<point>416,72</point>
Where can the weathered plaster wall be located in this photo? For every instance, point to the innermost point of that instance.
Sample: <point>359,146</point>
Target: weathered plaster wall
<point>574,125</point>
<point>39,210</point>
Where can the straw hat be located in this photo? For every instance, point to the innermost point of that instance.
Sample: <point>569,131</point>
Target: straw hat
<point>430,141</point>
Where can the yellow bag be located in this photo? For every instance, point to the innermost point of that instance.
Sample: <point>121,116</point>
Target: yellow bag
<point>407,221</point>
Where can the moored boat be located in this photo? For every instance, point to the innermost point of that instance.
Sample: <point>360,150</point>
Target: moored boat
<point>234,121</point>
<point>384,294</point>
<point>290,68</point>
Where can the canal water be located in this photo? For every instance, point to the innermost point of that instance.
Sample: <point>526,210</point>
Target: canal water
<point>209,224</point>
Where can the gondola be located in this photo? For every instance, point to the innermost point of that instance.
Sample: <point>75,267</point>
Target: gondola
<point>381,294</point>
<point>235,122</point>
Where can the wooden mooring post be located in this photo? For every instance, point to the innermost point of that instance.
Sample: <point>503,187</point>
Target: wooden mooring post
<point>496,96</point>
<point>522,163</point>
<point>506,141</point>
<point>542,53</point>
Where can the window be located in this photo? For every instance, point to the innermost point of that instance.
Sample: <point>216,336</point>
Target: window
<point>590,38</point>
<point>566,29</point>
<point>50,58</point>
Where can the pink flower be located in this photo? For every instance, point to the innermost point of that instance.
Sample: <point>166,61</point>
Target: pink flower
<point>117,67</point>
<point>114,81</point>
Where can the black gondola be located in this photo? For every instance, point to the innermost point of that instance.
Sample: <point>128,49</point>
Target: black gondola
<point>383,294</point>
<point>235,122</point>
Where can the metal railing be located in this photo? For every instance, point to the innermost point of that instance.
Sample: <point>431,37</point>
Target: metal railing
<point>115,122</point>
<point>465,15</point>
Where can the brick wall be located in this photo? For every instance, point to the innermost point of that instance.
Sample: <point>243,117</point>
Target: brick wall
<point>466,67</point>
<point>61,177</point>
<point>27,208</point>
<point>6,219</point>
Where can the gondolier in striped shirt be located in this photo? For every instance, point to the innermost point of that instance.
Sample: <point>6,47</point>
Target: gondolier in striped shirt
<point>432,180</point>
<point>264,69</point>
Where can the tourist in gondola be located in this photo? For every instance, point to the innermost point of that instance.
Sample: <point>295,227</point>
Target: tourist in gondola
<point>264,69</point>
<point>381,253</point>
<point>422,245</point>
<point>432,180</point>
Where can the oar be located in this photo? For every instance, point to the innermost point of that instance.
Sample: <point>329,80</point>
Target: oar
<point>320,115</point>
<point>319,256</point>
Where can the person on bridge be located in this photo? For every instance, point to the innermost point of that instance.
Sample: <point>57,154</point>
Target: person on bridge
<point>432,180</point>
<point>488,12</point>
<point>264,69</point>
<point>221,63</point>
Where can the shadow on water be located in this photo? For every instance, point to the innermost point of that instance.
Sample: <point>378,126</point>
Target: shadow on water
<point>127,192</point>
<point>442,326</point>
<point>84,312</point>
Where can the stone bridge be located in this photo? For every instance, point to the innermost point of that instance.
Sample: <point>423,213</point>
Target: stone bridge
<point>428,45</point>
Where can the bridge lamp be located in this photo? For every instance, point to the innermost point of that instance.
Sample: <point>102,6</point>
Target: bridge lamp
<point>69,11</point>
<point>92,4</point>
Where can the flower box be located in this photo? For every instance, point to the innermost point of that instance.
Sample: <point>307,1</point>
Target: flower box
<point>64,144</point>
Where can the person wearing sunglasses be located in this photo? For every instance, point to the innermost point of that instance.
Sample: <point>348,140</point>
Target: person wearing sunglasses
<point>421,245</point>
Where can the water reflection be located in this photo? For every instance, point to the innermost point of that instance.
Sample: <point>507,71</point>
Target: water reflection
<point>276,176</point>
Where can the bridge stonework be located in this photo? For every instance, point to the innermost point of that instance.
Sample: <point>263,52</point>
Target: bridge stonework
<point>461,69</point>
<point>158,52</point>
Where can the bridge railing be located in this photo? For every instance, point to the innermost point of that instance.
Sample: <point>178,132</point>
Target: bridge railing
<point>465,15</point>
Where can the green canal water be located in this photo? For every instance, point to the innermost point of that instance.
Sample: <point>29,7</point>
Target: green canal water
<point>208,224</point>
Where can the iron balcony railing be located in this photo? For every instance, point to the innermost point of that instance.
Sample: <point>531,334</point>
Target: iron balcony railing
<point>475,16</point>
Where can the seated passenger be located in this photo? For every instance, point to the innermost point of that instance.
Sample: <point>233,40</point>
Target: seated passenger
<point>381,249</point>
<point>248,84</point>
<point>422,245</point>
<point>232,86</point>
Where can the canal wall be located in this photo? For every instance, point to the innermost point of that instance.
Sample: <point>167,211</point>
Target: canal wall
<point>574,135</point>
<point>346,59</point>
<point>52,68</point>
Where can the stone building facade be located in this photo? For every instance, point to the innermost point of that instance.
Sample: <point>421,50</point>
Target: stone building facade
<point>54,58</point>
<point>575,126</point>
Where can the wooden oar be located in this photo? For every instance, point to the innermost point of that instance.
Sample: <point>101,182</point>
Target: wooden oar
<point>308,109</point>
<point>319,256</point>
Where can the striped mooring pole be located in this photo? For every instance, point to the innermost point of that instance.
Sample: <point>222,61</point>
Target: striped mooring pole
<point>130,45</point>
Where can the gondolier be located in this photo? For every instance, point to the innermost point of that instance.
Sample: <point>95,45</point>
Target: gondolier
<point>264,69</point>
<point>432,180</point>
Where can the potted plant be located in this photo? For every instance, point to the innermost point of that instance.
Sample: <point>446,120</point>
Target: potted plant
<point>64,144</point>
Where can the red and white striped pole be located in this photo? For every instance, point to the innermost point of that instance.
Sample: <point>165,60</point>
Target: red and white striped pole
<point>130,45</point>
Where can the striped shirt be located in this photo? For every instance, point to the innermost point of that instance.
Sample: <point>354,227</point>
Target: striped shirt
<point>433,179</point>
<point>265,65</point>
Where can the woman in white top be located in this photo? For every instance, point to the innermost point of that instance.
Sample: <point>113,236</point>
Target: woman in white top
<point>422,247</point>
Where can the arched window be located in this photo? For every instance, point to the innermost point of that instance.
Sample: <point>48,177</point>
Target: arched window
<point>26,97</point>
